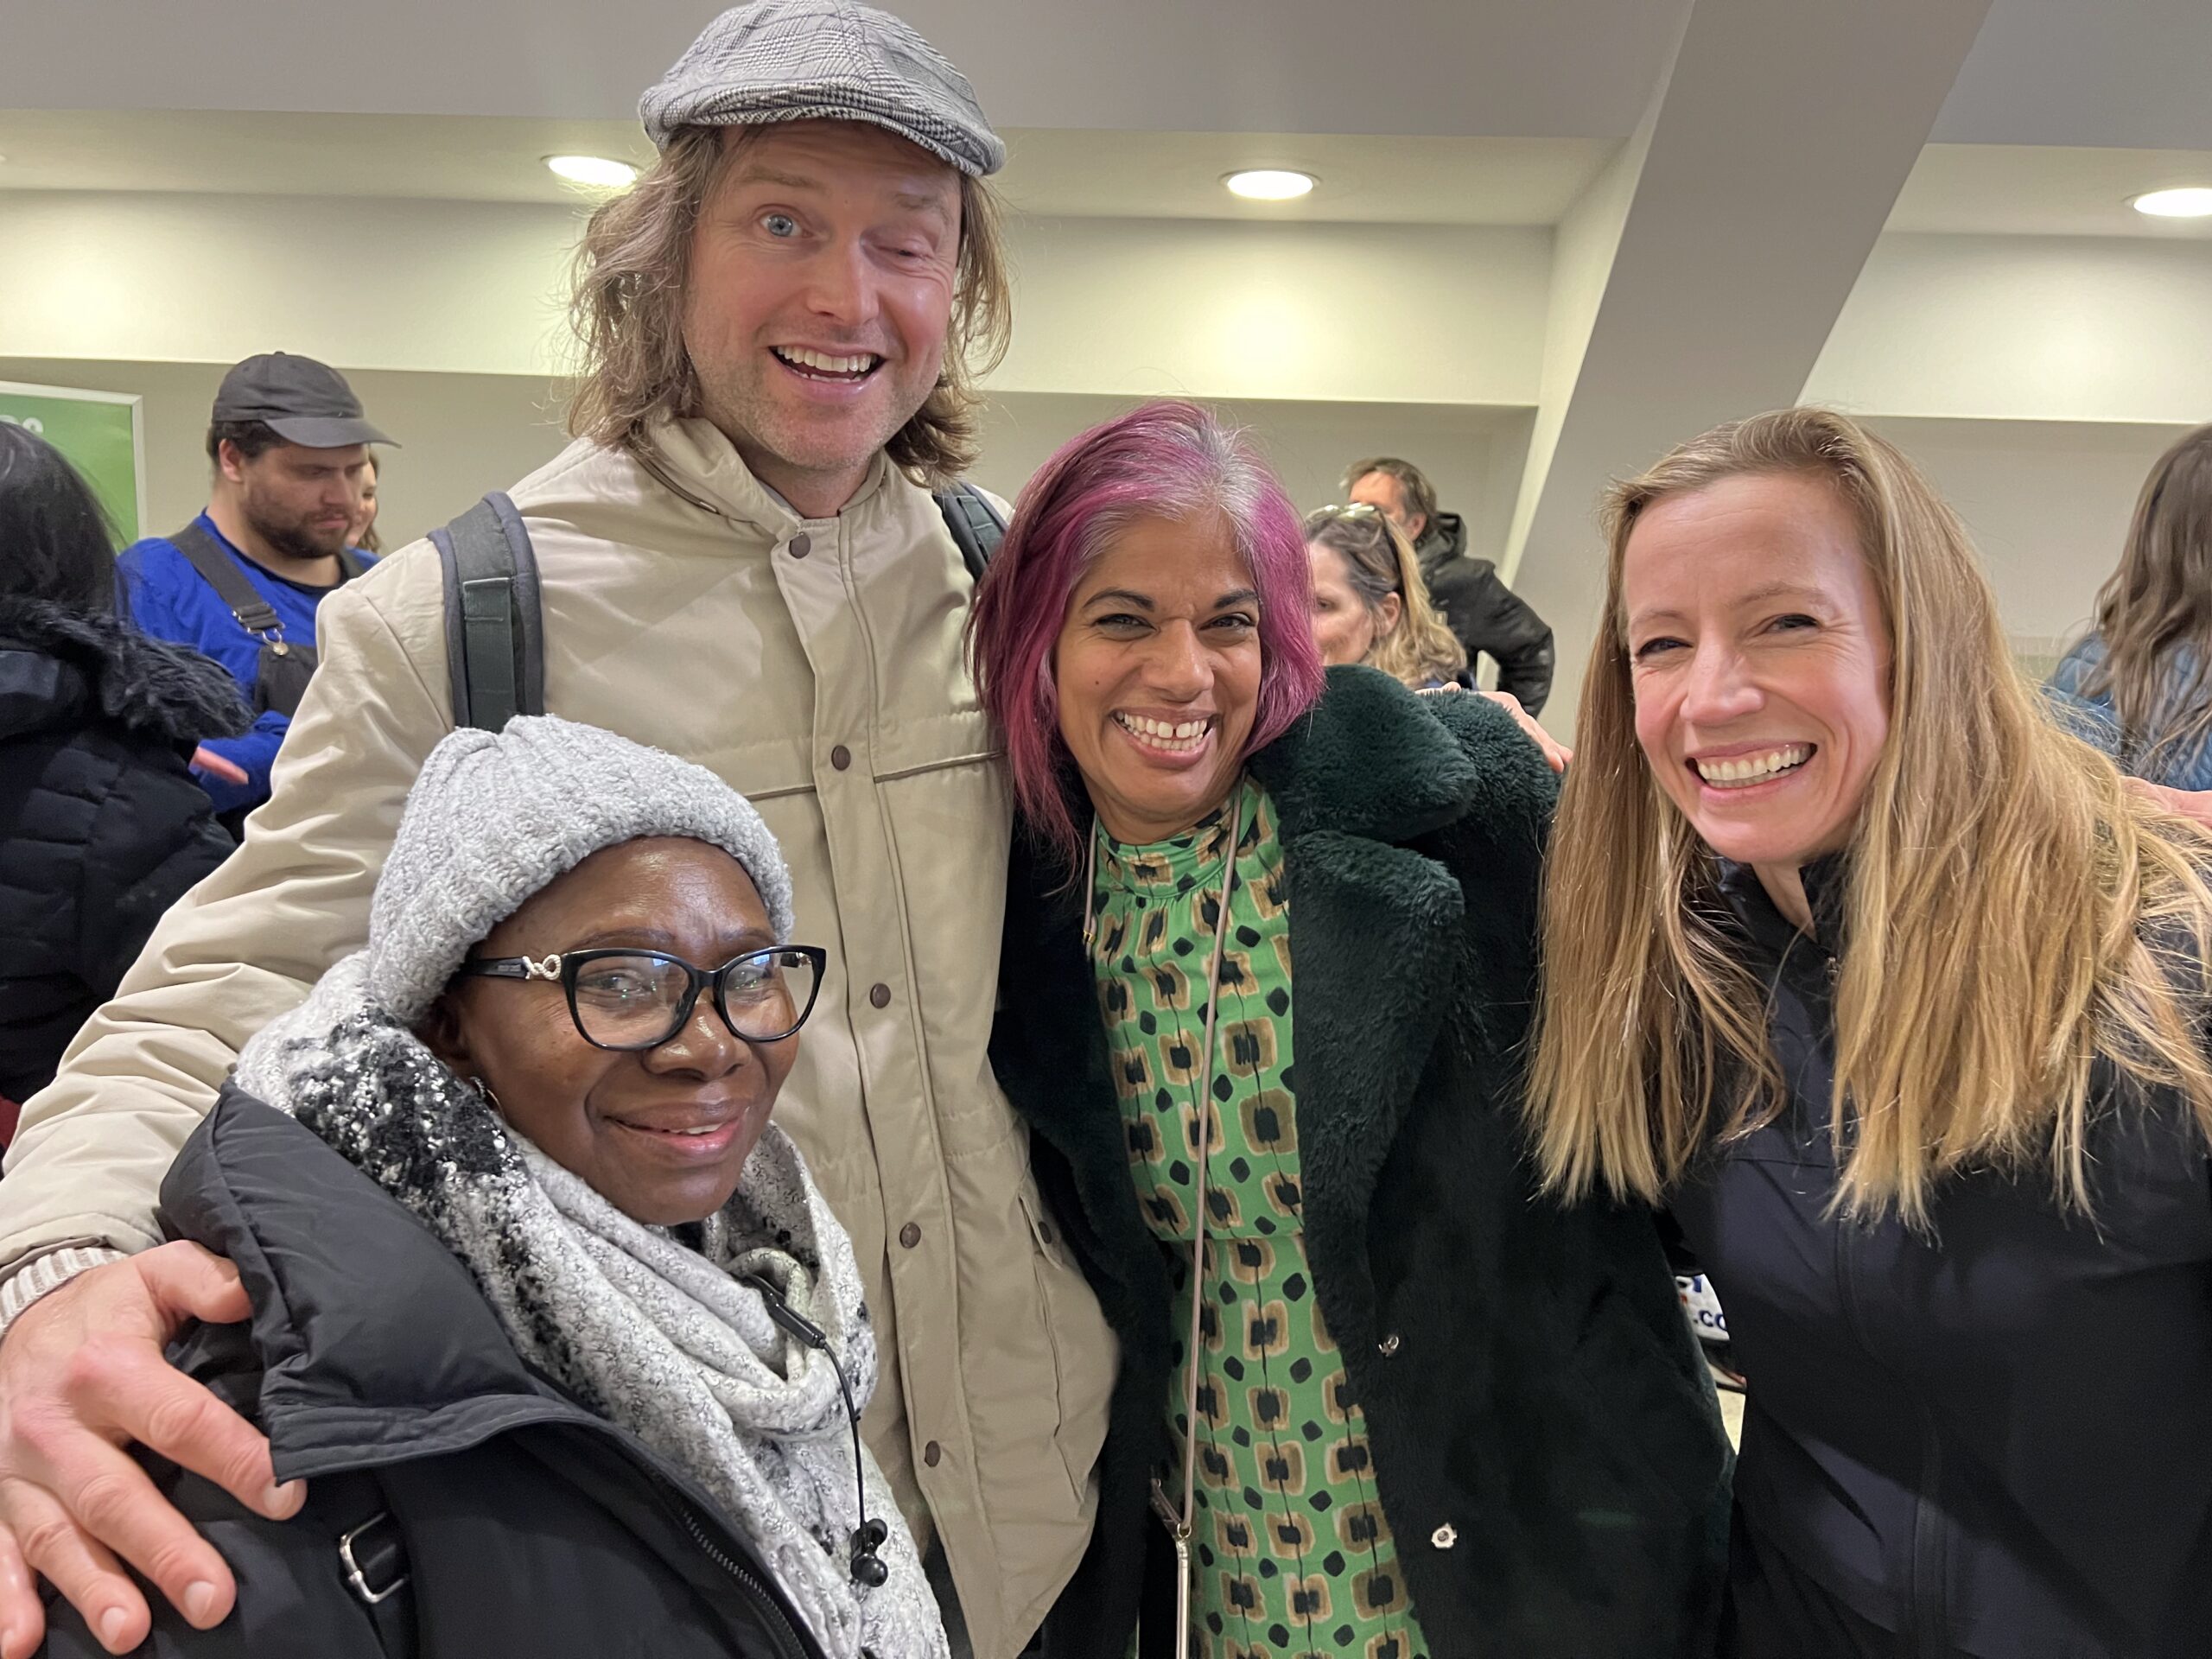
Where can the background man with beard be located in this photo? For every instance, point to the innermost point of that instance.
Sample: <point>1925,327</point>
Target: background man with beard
<point>290,449</point>
<point>739,562</point>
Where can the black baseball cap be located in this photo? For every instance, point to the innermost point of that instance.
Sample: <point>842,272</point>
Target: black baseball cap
<point>301,400</point>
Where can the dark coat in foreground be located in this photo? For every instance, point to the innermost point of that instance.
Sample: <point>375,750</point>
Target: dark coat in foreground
<point>498,1517</point>
<point>103,826</point>
<point>1529,1380</point>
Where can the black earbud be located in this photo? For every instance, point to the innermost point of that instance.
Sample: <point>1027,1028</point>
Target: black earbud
<point>869,1567</point>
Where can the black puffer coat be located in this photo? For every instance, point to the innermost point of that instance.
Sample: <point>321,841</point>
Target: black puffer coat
<point>102,824</point>
<point>489,1515</point>
<point>1545,1442</point>
<point>1486,614</point>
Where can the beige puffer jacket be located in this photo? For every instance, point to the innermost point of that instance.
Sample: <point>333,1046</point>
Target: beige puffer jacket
<point>815,664</point>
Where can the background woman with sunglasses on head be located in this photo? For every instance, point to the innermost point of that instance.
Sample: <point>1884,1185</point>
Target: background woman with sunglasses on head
<point>1370,604</point>
<point>553,1323</point>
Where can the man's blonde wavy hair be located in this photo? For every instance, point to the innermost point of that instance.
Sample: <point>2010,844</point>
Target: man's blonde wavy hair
<point>2014,915</point>
<point>631,273</point>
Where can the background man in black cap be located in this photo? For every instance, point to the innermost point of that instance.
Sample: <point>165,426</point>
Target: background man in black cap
<point>241,583</point>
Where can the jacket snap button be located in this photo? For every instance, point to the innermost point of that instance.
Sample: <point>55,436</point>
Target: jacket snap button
<point>880,996</point>
<point>911,1235</point>
<point>1388,1346</point>
<point>841,757</point>
<point>932,1454</point>
<point>1044,1231</point>
<point>802,544</point>
<point>1443,1537</point>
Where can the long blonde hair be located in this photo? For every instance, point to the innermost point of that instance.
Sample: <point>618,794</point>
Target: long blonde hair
<point>2012,914</point>
<point>631,270</point>
<point>2157,605</point>
<point>1420,650</point>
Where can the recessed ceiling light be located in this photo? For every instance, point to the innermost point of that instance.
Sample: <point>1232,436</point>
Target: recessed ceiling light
<point>598,171</point>
<point>2194,202</point>
<point>1270,183</point>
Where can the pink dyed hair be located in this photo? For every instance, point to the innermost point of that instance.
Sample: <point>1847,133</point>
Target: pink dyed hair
<point>1166,459</point>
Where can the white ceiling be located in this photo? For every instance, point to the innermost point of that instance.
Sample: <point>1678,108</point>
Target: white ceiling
<point>2023,190</point>
<point>1455,181</point>
<point>2121,73</point>
<point>1420,112</point>
<point>1997,189</point>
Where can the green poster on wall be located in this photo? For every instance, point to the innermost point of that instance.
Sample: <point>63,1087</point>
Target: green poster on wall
<point>101,434</point>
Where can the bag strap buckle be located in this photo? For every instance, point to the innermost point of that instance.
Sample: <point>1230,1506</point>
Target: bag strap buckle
<point>365,1554</point>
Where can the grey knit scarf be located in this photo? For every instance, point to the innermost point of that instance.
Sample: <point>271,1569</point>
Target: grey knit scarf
<point>645,1331</point>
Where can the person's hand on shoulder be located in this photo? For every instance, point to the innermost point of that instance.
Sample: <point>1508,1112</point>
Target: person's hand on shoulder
<point>84,1373</point>
<point>1556,755</point>
<point>2194,804</point>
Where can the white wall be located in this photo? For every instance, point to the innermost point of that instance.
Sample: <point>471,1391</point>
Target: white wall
<point>462,434</point>
<point>2026,328</point>
<point>1471,455</point>
<point>2048,502</point>
<point>1119,308</point>
<point>1389,314</point>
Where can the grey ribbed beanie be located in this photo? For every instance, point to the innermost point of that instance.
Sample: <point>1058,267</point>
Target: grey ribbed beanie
<point>496,816</point>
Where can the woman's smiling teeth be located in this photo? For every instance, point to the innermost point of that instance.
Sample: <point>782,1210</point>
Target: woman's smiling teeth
<point>820,365</point>
<point>1741,771</point>
<point>1175,737</point>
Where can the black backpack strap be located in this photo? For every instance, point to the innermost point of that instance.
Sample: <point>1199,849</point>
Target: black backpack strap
<point>220,571</point>
<point>977,527</point>
<point>350,565</point>
<point>495,642</point>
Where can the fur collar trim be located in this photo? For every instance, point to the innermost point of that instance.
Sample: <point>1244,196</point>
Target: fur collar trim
<point>112,672</point>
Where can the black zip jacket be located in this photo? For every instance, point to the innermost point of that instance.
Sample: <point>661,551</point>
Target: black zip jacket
<point>1486,614</point>
<point>1995,1440</point>
<point>103,826</point>
<point>459,1505</point>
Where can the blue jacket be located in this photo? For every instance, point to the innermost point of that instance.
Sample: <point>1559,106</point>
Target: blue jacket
<point>2093,719</point>
<point>167,598</point>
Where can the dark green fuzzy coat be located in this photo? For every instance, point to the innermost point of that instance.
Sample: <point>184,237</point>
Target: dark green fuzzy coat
<point>1543,1398</point>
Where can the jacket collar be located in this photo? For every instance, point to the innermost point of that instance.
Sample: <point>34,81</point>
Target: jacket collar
<point>695,458</point>
<point>1377,931</point>
<point>58,665</point>
<point>1366,761</point>
<point>362,1319</point>
<point>1826,882</point>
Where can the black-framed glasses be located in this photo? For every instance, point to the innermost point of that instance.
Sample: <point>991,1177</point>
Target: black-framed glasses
<point>631,999</point>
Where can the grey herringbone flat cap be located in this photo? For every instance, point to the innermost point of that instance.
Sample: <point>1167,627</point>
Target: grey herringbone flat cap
<point>823,60</point>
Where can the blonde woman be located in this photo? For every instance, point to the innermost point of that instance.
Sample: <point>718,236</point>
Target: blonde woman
<point>1369,602</point>
<point>1892,992</point>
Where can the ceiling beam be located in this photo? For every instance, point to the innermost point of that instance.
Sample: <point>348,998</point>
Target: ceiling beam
<point>1699,275</point>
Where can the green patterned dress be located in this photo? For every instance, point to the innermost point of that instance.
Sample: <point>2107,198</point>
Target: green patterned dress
<point>1292,1553</point>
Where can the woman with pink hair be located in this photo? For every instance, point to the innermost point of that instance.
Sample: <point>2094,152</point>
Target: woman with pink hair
<point>1385,1398</point>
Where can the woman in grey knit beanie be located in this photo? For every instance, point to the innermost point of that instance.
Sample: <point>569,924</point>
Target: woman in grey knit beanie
<point>558,1052</point>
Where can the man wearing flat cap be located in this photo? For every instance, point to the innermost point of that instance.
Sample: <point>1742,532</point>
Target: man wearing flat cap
<point>242,582</point>
<point>741,564</point>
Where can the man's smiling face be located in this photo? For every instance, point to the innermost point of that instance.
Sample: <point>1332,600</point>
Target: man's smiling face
<point>823,271</point>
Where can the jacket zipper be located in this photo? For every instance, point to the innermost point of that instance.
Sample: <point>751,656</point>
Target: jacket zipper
<point>788,1644</point>
<point>1931,1635</point>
